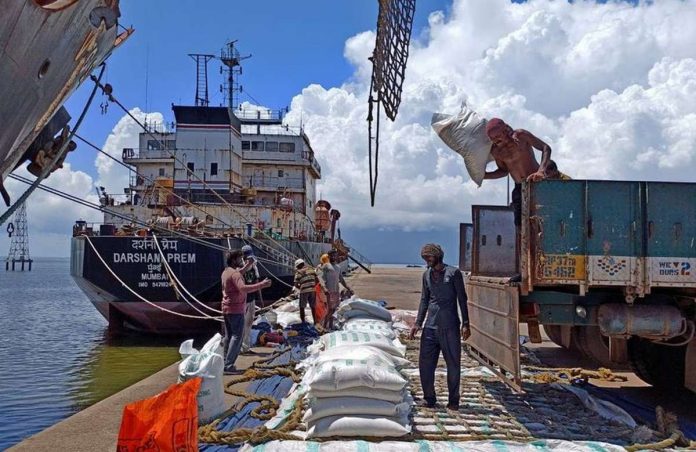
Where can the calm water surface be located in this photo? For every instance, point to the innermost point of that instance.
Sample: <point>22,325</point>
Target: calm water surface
<point>55,356</point>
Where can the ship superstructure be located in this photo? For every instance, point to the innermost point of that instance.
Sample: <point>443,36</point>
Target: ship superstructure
<point>227,175</point>
<point>214,179</point>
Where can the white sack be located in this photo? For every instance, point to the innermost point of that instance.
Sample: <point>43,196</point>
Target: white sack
<point>357,306</point>
<point>377,426</point>
<point>334,406</point>
<point>465,134</point>
<point>352,352</point>
<point>354,338</point>
<point>376,394</point>
<point>285,319</point>
<point>370,326</point>
<point>339,374</point>
<point>209,365</point>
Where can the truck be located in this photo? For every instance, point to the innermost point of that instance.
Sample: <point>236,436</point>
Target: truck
<point>607,268</point>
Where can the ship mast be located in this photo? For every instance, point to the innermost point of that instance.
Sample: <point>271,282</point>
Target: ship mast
<point>232,62</point>
<point>201,77</point>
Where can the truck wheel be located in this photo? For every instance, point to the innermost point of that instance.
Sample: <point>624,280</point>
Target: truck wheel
<point>661,366</point>
<point>593,345</point>
<point>555,333</point>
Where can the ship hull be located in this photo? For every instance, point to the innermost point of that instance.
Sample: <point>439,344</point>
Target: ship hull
<point>132,289</point>
<point>44,56</point>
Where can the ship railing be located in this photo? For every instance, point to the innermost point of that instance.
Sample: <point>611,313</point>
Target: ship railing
<point>275,182</point>
<point>136,153</point>
<point>266,114</point>
<point>208,198</point>
<point>270,129</point>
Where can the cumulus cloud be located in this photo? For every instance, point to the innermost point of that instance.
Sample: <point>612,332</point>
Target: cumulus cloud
<point>125,134</point>
<point>50,218</point>
<point>611,87</point>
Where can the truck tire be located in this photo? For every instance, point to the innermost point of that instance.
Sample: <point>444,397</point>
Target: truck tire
<point>661,366</point>
<point>554,332</point>
<point>593,345</point>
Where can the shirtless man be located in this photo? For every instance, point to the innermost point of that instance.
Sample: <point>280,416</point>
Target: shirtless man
<point>513,151</point>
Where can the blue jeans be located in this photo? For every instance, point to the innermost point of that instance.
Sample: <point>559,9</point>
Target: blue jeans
<point>234,329</point>
<point>433,341</point>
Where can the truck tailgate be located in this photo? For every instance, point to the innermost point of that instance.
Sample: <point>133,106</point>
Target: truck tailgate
<point>494,320</point>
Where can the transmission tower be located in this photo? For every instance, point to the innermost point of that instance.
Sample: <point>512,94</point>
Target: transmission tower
<point>19,246</point>
<point>201,77</point>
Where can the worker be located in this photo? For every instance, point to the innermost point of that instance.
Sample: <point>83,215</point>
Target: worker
<point>513,151</point>
<point>234,294</point>
<point>251,274</point>
<point>329,278</point>
<point>442,291</point>
<point>305,280</point>
<point>553,173</point>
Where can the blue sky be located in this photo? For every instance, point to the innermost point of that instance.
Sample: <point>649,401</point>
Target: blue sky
<point>293,44</point>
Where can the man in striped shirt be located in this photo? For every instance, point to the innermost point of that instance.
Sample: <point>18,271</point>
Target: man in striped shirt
<point>305,280</point>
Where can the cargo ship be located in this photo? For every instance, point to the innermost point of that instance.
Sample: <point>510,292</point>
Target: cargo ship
<point>215,179</point>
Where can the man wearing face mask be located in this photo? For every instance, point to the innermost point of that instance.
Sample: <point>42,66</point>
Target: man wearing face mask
<point>443,291</point>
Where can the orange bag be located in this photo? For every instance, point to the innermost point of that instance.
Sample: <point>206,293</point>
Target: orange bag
<point>320,307</point>
<point>165,422</point>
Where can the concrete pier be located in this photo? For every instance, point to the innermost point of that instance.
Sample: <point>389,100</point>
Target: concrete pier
<point>96,428</point>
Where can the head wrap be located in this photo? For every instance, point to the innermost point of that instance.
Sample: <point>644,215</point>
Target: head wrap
<point>432,249</point>
<point>299,262</point>
<point>247,250</point>
<point>324,258</point>
<point>494,124</point>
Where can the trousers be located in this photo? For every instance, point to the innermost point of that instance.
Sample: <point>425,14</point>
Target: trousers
<point>433,341</point>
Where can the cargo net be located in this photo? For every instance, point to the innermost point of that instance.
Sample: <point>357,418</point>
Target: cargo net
<point>389,58</point>
<point>394,24</point>
<point>489,410</point>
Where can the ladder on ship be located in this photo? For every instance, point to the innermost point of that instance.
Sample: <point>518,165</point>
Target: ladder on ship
<point>360,259</point>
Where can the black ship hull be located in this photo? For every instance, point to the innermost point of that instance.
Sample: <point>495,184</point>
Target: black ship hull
<point>127,280</point>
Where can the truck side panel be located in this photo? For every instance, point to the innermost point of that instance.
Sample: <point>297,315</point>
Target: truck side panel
<point>558,224</point>
<point>614,233</point>
<point>636,235</point>
<point>671,234</point>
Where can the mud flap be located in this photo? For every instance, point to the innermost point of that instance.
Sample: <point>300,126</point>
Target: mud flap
<point>494,320</point>
<point>690,367</point>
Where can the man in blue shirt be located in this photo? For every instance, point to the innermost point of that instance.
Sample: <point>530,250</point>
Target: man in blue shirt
<point>443,290</point>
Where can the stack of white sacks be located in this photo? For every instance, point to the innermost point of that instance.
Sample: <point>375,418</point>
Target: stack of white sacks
<point>353,380</point>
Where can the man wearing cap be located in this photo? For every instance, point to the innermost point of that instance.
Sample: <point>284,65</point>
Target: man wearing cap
<point>513,151</point>
<point>251,277</point>
<point>443,290</point>
<point>234,292</point>
<point>305,280</point>
<point>329,278</point>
